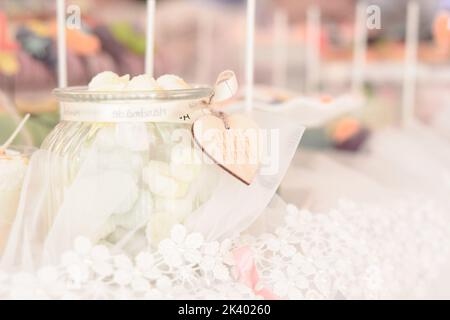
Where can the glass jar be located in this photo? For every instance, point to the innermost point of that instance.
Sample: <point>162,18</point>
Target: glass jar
<point>123,166</point>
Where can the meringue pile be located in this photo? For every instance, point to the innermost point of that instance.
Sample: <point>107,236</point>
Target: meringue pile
<point>145,180</point>
<point>109,81</point>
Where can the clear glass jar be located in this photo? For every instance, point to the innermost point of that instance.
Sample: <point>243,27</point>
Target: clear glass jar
<point>125,162</point>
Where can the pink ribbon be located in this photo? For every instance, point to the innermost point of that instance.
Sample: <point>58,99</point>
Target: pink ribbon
<point>248,274</point>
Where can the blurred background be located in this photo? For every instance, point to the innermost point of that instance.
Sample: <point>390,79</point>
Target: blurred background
<point>197,39</point>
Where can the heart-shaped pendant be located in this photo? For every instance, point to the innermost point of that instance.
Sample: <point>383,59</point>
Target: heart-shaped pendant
<point>231,141</point>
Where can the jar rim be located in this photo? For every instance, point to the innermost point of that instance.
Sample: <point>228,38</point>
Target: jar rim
<point>19,151</point>
<point>83,94</point>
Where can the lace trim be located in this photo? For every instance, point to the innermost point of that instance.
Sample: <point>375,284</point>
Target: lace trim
<point>353,251</point>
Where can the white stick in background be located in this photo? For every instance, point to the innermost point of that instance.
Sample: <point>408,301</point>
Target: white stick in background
<point>8,106</point>
<point>15,133</point>
<point>250,55</point>
<point>205,38</point>
<point>312,49</point>
<point>410,71</point>
<point>150,38</point>
<point>359,48</point>
<point>61,42</point>
<point>280,45</point>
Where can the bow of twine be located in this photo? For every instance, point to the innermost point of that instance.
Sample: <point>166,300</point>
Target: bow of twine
<point>224,89</point>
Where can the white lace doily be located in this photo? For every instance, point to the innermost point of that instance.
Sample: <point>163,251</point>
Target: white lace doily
<point>352,251</point>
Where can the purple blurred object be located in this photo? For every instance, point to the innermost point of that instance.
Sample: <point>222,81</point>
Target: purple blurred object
<point>444,4</point>
<point>124,59</point>
<point>33,74</point>
<point>99,63</point>
<point>76,73</point>
<point>354,143</point>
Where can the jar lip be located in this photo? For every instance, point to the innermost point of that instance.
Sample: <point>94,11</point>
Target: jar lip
<point>18,151</point>
<point>82,94</point>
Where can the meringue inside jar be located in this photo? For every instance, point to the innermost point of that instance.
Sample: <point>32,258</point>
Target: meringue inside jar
<point>125,161</point>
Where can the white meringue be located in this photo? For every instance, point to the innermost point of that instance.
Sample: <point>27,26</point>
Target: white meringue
<point>142,83</point>
<point>172,82</point>
<point>185,163</point>
<point>168,187</point>
<point>155,168</point>
<point>138,216</point>
<point>94,198</point>
<point>157,176</point>
<point>108,81</point>
<point>128,199</point>
<point>105,139</point>
<point>133,136</point>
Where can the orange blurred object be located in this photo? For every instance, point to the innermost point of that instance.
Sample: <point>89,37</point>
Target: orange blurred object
<point>345,129</point>
<point>79,42</point>
<point>6,44</point>
<point>441,31</point>
<point>9,65</point>
<point>326,99</point>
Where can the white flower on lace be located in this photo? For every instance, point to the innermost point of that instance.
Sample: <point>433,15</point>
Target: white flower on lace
<point>297,217</point>
<point>146,264</point>
<point>281,246</point>
<point>292,215</point>
<point>101,261</point>
<point>181,248</point>
<point>127,275</point>
<point>216,256</point>
<point>289,283</point>
<point>291,209</point>
<point>51,281</point>
<point>87,267</point>
<point>124,269</point>
<point>77,263</point>
<point>313,239</point>
<point>303,265</point>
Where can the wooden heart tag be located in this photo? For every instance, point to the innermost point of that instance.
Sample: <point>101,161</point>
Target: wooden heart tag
<point>231,141</point>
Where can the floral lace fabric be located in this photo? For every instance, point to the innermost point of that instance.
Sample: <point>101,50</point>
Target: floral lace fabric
<point>352,251</point>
